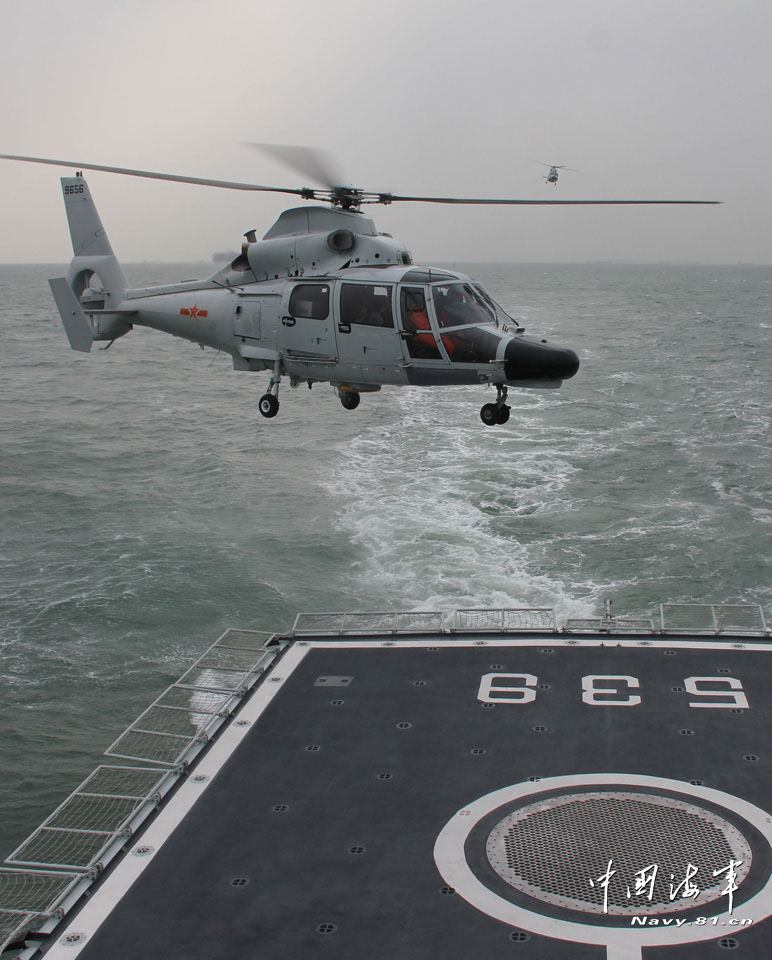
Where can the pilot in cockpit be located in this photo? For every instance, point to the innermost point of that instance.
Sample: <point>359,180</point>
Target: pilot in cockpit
<point>450,304</point>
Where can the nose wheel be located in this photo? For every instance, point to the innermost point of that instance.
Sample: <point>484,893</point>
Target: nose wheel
<point>496,413</point>
<point>349,399</point>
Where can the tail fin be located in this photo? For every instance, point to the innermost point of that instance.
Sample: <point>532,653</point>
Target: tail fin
<point>93,258</point>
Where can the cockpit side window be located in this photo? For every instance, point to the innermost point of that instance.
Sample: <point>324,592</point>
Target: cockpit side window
<point>310,300</point>
<point>365,303</point>
<point>459,304</point>
<point>421,344</point>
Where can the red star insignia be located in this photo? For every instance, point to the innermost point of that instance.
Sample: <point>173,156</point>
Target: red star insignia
<point>193,312</point>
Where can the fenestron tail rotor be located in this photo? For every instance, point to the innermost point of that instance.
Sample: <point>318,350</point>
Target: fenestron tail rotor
<point>316,165</point>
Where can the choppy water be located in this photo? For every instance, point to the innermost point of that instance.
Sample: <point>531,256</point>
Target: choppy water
<point>146,505</point>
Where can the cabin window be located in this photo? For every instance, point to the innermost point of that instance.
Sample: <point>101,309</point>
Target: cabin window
<point>310,300</point>
<point>368,304</point>
<point>421,344</point>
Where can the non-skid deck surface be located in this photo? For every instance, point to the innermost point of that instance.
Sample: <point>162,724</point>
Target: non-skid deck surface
<point>465,799</point>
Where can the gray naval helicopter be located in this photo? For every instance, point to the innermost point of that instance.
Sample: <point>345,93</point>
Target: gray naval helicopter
<point>553,175</point>
<point>323,297</point>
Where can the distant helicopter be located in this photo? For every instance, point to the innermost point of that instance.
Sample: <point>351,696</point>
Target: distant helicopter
<point>323,297</point>
<point>552,176</point>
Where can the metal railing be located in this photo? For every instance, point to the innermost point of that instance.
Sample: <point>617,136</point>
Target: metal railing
<point>363,623</point>
<point>687,618</point>
<point>611,625</point>
<point>110,804</point>
<point>505,620</point>
<point>713,618</point>
<point>180,722</point>
<point>29,899</point>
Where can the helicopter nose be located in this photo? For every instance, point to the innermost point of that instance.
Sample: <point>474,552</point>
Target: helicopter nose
<point>530,360</point>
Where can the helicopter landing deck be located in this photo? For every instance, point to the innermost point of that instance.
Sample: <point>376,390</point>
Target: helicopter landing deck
<point>393,785</point>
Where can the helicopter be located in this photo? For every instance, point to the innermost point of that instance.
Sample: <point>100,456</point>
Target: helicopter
<point>552,176</point>
<point>324,297</point>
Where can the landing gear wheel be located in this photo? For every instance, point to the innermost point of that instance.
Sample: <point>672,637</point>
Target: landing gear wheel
<point>350,401</point>
<point>489,414</point>
<point>492,414</point>
<point>268,405</point>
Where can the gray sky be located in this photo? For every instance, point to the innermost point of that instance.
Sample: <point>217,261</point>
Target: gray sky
<point>661,99</point>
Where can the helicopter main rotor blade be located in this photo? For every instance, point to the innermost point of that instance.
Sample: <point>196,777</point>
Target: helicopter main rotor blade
<point>389,198</point>
<point>200,181</point>
<point>334,193</point>
<point>307,161</point>
<point>557,166</point>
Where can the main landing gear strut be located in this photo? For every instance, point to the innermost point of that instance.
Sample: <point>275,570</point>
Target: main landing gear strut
<point>268,404</point>
<point>498,412</point>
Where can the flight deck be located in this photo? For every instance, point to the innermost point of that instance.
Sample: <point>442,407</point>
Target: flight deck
<point>415,784</point>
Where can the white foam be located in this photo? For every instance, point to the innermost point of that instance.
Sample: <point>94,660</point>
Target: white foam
<point>427,503</point>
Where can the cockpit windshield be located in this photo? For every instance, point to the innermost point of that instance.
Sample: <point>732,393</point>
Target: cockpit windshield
<point>460,304</point>
<point>501,315</point>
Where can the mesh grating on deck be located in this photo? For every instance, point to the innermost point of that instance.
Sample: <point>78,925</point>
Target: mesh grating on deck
<point>557,851</point>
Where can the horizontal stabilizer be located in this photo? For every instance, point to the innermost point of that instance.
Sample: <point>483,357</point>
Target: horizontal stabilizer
<point>77,326</point>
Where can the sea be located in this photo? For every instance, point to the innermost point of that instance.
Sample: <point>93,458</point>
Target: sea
<point>147,506</point>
